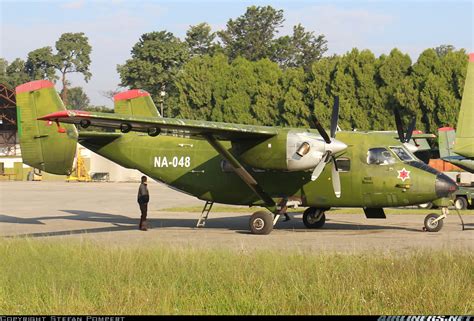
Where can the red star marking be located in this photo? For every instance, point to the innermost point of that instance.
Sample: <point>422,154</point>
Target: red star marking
<point>403,174</point>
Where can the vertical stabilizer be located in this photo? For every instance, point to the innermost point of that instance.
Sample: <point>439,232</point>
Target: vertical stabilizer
<point>446,137</point>
<point>464,144</point>
<point>135,102</point>
<point>44,145</point>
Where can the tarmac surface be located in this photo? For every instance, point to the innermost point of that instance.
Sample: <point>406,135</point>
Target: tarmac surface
<point>108,213</point>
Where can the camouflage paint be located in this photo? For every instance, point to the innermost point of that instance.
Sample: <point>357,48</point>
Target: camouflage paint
<point>363,186</point>
<point>464,144</point>
<point>42,146</point>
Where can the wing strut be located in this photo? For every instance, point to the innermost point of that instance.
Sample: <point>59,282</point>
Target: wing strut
<point>242,172</point>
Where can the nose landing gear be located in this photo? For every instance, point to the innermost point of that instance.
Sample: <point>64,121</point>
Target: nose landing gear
<point>434,222</point>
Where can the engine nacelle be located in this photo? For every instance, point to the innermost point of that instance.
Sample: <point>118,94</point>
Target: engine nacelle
<point>293,150</point>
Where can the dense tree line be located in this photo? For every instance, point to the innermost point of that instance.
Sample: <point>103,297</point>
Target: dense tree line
<point>249,74</point>
<point>369,88</point>
<point>246,74</point>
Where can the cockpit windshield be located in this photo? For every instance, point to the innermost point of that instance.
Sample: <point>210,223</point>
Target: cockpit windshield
<point>403,154</point>
<point>380,156</point>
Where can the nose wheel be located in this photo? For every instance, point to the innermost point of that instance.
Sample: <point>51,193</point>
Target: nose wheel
<point>433,222</point>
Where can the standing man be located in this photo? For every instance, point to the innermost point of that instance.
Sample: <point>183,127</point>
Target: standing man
<point>143,199</point>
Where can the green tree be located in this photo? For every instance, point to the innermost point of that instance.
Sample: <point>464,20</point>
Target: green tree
<point>77,99</point>
<point>443,50</point>
<point>251,35</point>
<point>266,99</point>
<point>40,64</point>
<point>73,55</point>
<point>156,60</point>
<point>294,110</point>
<point>200,40</point>
<point>15,73</point>
<point>319,92</point>
<point>302,49</point>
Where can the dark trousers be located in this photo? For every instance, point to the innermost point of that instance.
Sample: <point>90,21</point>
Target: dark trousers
<point>143,209</point>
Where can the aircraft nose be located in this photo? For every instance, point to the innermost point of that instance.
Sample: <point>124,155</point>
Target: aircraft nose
<point>336,146</point>
<point>444,185</point>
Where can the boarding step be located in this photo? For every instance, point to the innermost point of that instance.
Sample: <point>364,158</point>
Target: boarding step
<point>204,214</point>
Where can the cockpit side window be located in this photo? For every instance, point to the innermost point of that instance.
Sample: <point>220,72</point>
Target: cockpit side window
<point>402,153</point>
<point>379,156</point>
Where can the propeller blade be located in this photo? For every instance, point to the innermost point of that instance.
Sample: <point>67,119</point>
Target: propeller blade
<point>321,130</point>
<point>336,181</point>
<point>410,129</point>
<point>319,168</point>
<point>334,116</point>
<point>399,123</point>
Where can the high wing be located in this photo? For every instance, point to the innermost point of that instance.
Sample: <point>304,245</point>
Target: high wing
<point>226,131</point>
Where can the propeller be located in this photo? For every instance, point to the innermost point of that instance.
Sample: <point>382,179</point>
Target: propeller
<point>404,137</point>
<point>332,146</point>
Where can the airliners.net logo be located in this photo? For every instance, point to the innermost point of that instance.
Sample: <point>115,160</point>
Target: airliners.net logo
<point>426,318</point>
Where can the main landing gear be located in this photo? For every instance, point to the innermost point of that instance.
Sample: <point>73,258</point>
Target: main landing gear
<point>261,223</point>
<point>314,217</point>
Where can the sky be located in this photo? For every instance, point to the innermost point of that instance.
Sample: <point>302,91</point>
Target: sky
<point>114,26</point>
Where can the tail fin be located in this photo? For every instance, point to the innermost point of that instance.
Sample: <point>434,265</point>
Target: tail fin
<point>44,145</point>
<point>446,136</point>
<point>135,102</point>
<point>465,130</point>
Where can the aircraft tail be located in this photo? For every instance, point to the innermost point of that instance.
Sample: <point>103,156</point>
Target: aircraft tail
<point>44,145</point>
<point>135,102</point>
<point>446,137</point>
<point>465,130</point>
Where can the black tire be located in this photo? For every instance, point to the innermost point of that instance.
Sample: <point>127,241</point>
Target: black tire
<point>125,128</point>
<point>85,123</point>
<point>433,227</point>
<point>310,217</point>
<point>153,132</point>
<point>261,223</point>
<point>426,206</point>
<point>460,203</point>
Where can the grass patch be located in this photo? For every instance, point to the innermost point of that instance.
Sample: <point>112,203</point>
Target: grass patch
<point>246,209</point>
<point>75,277</point>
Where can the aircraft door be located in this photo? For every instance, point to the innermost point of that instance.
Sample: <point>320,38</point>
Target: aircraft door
<point>379,178</point>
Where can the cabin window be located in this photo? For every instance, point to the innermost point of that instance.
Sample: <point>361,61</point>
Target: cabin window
<point>343,164</point>
<point>401,153</point>
<point>379,156</point>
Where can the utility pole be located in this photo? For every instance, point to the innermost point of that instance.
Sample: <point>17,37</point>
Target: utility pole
<point>162,94</point>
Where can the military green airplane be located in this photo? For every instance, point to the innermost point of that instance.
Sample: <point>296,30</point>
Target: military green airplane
<point>236,164</point>
<point>458,148</point>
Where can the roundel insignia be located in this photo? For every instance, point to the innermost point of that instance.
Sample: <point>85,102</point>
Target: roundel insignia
<point>403,174</point>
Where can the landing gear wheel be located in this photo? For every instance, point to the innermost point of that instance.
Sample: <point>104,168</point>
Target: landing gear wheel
<point>426,206</point>
<point>460,203</point>
<point>314,217</point>
<point>261,223</point>
<point>431,226</point>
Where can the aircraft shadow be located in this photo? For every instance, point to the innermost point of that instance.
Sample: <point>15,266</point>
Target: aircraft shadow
<point>232,222</point>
